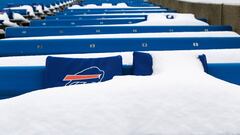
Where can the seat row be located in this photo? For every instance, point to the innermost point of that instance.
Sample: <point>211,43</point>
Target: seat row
<point>109,27</point>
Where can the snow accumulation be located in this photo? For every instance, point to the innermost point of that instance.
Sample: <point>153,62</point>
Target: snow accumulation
<point>6,20</point>
<point>213,56</point>
<point>52,7</point>
<point>105,5</point>
<point>26,7</point>
<point>168,103</point>
<point>46,9</point>
<point>136,35</point>
<point>226,2</point>
<point>160,19</point>
<point>39,9</point>
<point>179,19</point>
<point>19,17</point>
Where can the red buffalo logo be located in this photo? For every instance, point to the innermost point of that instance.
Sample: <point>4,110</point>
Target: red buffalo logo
<point>88,75</point>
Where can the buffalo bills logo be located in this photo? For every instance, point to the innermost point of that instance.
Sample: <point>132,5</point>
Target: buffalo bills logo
<point>88,75</point>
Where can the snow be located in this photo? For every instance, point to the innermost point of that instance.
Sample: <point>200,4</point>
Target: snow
<point>137,35</point>
<point>19,17</point>
<point>10,24</point>
<point>40,60</point>
<point>56,6</point>
<point>39,9</point>
<point>160,19</point>
<point>46,9</point>
<point>4,16</point>
<point>105,6</point>
<point>163,62</point>
<point>6,21</point>
<point>51,7</point>
<point>179,103</point>
<point>122,5</point>
<point>213,56</point>
<point>225,2</point>
<point>179,19</point>
<point>124,18</point>
<point>26,7</point>
<point>64,3</point>
<point>61,4</point>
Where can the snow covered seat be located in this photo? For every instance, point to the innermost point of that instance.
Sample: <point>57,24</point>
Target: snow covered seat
<point>28,8</point>
<point>86,30</point>
<point>13,68</point>
<point>126,11</point>
<point>118,42</point>
<point>6,21</point>
<point>15,17</point>
<point>166,19</point>
<point>172,98</point>
<point>104,17</point>
<point>77,22</point>
<point>93,17</point>
<point>106,6</point>
<point>153,103</point>
<point>153,19</point>
<point>171,19</point>
<point>38,9</point>
<point>106,10</point>
<point>19,17</point>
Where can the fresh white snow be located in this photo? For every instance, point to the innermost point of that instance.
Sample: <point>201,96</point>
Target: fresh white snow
<point>169,61</point>
<point>105,6</point>
<point>19,17</point>
<point>168,103</point>
<point>6,21</point>
<point>213,56</point>
<point>179,19</point>
<point>137,35</point>
<point>39,9</point>
<point>26,7</point>
<point>160,19</point>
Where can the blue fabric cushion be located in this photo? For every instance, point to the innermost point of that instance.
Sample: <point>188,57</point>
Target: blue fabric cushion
<point>10,14</point>
<point>203,59</point>
<point>1,22</point>
<point>142,63</point>
<point>71,71</point>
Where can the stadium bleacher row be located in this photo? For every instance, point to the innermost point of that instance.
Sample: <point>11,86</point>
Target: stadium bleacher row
<point>115,67</point>
<point>75,27</point>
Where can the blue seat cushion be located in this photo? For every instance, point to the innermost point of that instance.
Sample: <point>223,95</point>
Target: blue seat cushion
<point>71,71</point>
<point>142,63</point>
<point>203,60</point>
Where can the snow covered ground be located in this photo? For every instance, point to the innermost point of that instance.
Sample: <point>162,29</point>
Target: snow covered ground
<point>167,103</point>
<point>226,2</point>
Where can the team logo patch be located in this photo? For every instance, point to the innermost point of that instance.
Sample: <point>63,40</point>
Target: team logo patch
<point>88,75</point>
